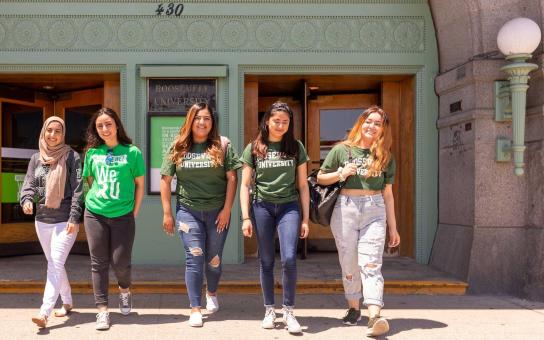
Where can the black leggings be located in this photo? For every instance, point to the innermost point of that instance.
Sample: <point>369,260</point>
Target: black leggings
<point>110,240</point>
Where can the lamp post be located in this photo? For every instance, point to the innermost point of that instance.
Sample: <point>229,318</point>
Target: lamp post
<point>517,39</point>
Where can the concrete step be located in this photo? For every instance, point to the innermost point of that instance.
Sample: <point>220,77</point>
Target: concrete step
<point>398,287</point>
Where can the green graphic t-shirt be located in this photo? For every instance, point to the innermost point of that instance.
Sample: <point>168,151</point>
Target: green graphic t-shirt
<point>113,173</point>
<point>276,175</point>
<point>338,157</point>
<point>200,185</point>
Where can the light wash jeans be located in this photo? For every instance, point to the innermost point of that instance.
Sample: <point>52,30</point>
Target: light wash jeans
<point>359,226</point>
<point>203,247</point>
<point>56,245</point>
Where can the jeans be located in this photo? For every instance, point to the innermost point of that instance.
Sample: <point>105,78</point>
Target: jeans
<point>285,217</point>
<point>110,241</point>
<point>56,244</point>
<point>203,244</point>
<point>358,225</point>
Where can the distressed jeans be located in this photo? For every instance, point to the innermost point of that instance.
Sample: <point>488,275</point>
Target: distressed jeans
<point>203,245</point>
<point>56,244</point>
<point>358,224</point>
<point>285,217</point>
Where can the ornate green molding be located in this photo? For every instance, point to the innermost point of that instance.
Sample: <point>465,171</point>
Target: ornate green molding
<point>273,34</point>
<point>236,1</point>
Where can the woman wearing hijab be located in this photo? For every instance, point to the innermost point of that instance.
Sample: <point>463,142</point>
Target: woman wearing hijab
<point>53,178</point>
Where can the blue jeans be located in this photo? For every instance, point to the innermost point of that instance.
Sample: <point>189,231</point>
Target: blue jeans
<point>285,217</point>
<point>203,245</point>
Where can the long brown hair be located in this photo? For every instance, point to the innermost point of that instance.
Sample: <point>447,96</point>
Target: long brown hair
<point>94,140</point>
<point>289,145</point>
<point>184,140</point>
<point>380,150</point>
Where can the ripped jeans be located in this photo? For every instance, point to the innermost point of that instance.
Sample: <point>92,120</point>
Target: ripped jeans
<point>203,246</point>
<point>358,224</point>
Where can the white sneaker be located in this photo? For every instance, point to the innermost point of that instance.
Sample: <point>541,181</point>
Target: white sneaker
<point>102,321</point>
<point>195,320</point>
<point>269,318</point>
<point>212,305</point>
<point>290,321</point>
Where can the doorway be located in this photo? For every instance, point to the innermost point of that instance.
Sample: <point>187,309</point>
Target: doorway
<point>26,100</point>
<point>325,108</point>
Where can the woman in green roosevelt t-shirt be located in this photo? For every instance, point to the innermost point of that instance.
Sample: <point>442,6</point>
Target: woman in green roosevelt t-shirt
<point>363,211</point>
<point>115,170</point>
<point>277,163</point>
<point>205,166</point>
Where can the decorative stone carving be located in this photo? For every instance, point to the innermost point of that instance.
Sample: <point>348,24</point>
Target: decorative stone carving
<point>373,35</point>
<point>269,34</point>
<point>130,33</point>
<point>62,33</point>
<point>200,34</point>
<point>2,33</point>
<point>338,34</point>
<point>234,34</point>
<point>303,34</point>
<point>27,33</point>
<point>96,34</point>
<point>408,35</point>
<point>165,33</point>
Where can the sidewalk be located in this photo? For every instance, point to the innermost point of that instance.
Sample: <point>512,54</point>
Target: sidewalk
<point>159,316</point>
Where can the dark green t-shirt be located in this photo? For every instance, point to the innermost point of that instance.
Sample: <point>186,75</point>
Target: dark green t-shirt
<point>276,175</point>
<point>338,157</point>
<point>200,185</point>
<point>112,191</point>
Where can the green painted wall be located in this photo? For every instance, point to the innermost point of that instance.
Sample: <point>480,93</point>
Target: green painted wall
<point>289,36</point>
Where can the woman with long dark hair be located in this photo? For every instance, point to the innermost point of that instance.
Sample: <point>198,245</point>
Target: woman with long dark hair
<point>364,212</point>
<point>205,165</point>
<point>277,163</point>
<point>54,177</point>
<point>115,170</point>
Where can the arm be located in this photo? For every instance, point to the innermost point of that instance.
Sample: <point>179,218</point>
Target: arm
<point>302,185</point>
<point>138,194</point>
<point>247,173</point>
<point>394,237</point>
<point>28,190</point>
<point>333,177</point>
<point>76,184</point>
<point>166,197</point>
<point>223,218</point>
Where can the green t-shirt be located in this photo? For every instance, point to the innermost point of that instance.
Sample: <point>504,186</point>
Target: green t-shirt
<point>276,175</point>
<point>112,191</point>
<point>200,185</point>
<point>338,157</point>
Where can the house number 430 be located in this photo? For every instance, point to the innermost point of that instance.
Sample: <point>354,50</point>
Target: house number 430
<point>169,9</point>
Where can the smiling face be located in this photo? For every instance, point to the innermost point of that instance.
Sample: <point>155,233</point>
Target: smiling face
<point>372,127</point>
<point>277,124</point>
<point>107,129</point>
<point>202,125</point>
<point>53,134</point>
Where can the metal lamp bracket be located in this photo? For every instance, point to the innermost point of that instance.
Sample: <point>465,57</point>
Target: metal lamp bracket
<point>503,101</point>
<point>503,150</point>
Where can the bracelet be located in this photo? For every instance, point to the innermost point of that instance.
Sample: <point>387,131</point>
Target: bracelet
<point>341,177</point>
<point>247,218</point>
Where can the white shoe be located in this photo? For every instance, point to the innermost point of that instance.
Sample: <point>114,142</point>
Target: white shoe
<point>102,321</point>
<point>269,318</point>
<point>212,305</point>
<point>377,326</point>
<point>195,320</point>
<point>290,321</point>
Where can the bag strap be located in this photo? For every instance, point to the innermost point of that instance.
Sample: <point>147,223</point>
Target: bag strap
<point>254,175</point>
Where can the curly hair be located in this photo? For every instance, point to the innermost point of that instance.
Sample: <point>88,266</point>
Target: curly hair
<point>184,140</point>
<point>380,150</point>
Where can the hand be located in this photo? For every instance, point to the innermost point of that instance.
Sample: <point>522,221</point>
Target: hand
<point>304,230</point>
<point>349,169</point>
<point>72,228</point>
<point>247,228</point>
<point>168,224</point>
<point>223,219</point>
<point>28,208</point>
<point>394,238</point>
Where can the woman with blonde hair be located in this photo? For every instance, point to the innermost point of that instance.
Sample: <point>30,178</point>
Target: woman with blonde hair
<point>54,176</point>
<point>205,165</point>
<point>363,211</point>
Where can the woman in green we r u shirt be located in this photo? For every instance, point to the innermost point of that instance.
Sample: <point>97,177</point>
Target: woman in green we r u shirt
<point>115,170</point>
<point>205,166</point>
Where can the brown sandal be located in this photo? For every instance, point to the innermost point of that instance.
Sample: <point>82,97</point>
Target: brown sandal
<point>64,310</point>
<point>40,320</point>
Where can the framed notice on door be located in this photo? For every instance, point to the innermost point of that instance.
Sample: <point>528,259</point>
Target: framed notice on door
<point>169,99</point>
